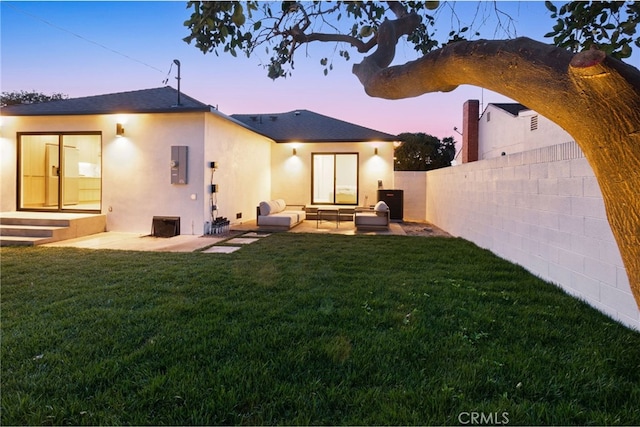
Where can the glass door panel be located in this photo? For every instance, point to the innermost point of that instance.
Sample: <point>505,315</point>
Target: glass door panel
<point>38,171</point>
<point>346,179</point>
<point>82,182</point>
<point>323,178</point>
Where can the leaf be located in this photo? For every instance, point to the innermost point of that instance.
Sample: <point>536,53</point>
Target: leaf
<point>238,15</point>
<point>550,6</point>
<point>257,25</point>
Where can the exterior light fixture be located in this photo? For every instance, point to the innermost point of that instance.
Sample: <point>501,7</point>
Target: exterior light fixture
<point>119,129</point>
<point>295,152</point>
<point>375,151</point>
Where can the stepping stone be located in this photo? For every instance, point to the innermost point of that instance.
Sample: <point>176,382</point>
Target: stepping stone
<point>242,240</point>
<point>254,234</point>
<point>221,249</point>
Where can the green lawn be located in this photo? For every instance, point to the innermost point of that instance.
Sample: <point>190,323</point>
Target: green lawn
<point>305,329</point>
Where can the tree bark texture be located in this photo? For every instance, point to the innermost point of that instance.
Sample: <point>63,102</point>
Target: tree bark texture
<point>595,98</point>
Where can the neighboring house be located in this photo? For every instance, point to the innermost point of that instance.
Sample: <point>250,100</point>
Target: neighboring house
<point>507,128</point>
<point>136,155</point>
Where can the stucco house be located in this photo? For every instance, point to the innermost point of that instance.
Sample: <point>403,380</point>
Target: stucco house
<point>135,155</point>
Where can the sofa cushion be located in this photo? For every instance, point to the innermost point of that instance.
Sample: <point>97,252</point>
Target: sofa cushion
<point>370,219</point>
<point>282,219</point>
<point>280,205</point>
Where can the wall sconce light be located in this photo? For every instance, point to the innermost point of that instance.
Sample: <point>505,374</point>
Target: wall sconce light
<point>295,152</point>
<point>375,151</point>
<point>119,129</point>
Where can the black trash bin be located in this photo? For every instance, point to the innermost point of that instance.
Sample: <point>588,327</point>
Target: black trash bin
<point>395,200</point>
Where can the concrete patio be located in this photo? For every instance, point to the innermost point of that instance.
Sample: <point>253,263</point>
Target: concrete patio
<point>239,235</point>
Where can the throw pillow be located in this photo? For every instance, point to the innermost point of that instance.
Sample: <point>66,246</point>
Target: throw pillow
<point>265,208</point>
<point>381,208</point>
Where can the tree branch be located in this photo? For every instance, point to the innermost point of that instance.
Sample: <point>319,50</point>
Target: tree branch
<point>360,45</point>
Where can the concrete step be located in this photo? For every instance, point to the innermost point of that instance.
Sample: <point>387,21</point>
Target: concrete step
<point>28,230</point>
<point>36,228</point>
<point>23,241</point>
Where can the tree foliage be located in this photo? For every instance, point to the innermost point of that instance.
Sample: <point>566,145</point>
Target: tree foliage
<point>608,26</point>
<point>28,97</point>
<point>422,152</point>
<point>281,28</point>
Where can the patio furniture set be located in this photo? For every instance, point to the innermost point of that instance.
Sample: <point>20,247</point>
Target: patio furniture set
<point>276,214</point>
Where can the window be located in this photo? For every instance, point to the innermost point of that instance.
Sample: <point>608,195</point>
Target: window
<point>534,122</point>
<point>334,178</point>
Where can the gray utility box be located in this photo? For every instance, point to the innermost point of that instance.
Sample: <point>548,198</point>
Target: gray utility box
<point>179,164</point>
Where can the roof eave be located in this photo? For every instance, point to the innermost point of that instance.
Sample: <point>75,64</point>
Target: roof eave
<point>117,111</point>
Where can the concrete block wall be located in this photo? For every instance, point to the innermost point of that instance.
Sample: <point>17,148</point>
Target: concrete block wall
<point>541,209</point>
<point>414,185</point>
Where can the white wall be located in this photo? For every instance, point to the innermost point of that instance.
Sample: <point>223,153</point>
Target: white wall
<point>512,134</point>
<point>8,163</point>
<point>136,180</point>
<point>414,185</point>
<point>244,168</point>
<point>137,172</point>
<point>291,175</point>
<point>541,209</point>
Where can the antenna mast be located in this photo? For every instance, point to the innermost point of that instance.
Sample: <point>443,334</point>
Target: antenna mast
<point>175,61</point>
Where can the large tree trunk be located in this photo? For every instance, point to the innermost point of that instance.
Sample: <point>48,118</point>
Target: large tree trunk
<point>593,97</point>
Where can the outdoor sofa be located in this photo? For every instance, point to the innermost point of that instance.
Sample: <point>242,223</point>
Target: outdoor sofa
<point>372,218</point>
<point>276,214</point>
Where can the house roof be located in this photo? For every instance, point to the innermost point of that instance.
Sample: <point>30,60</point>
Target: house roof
<point>157,100</point>
<point>511,108</point>
<point>307,126</point>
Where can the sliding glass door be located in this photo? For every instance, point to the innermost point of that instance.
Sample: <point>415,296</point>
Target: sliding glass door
<point>60,172</point>
<point>335,178</point>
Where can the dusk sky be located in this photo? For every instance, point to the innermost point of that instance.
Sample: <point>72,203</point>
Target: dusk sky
<point>92,48</point>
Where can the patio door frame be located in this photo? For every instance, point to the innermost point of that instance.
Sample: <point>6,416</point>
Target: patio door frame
<point>60,206</point>
<point>335,175</point>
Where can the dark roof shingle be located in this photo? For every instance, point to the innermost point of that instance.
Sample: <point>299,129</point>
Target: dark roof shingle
<point>157,100</point>
<point>307,126</point>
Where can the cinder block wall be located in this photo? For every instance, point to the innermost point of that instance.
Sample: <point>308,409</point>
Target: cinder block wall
<point>541,209</point>
<point>414,185</point>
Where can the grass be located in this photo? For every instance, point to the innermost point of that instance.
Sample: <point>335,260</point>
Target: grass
<point>305,329</point>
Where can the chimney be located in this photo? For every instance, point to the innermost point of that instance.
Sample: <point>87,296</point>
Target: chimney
<point>470,115</point>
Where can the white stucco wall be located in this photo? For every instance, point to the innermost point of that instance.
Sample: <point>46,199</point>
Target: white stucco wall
<point>137,172</point>
<point>244,168</point>
<point>541,209</point>
<point>8,163</point>
<point>291,175</point>
<point>509,134</point>
<point>136,180</point>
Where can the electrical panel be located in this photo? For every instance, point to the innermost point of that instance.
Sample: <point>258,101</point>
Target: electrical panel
<point>179,164</point>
